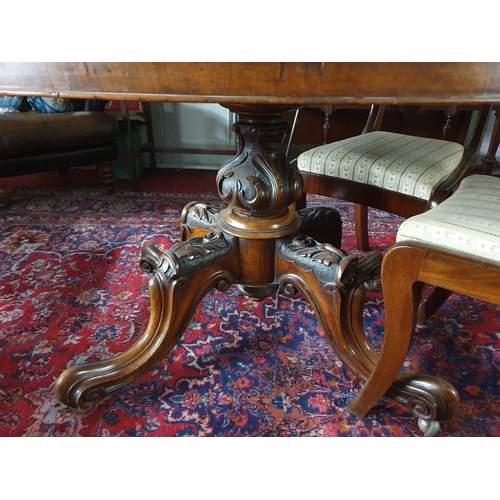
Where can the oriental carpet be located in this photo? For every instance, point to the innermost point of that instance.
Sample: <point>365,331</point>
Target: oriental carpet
<point>71,291</point>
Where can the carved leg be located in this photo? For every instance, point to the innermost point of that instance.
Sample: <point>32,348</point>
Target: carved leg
<point>322,224</point>
<point>429,398</point>
<point>182,277</point>
<point>331,281</point>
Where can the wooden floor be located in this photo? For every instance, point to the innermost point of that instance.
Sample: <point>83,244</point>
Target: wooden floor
<point>161,179</point>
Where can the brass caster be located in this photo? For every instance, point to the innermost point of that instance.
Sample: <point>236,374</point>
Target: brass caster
<point>430,428</point>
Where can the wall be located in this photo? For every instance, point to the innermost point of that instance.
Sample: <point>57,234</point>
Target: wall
<point>190,125</point>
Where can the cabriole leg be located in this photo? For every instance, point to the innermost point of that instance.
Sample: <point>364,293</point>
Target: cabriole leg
<point>175,290</point>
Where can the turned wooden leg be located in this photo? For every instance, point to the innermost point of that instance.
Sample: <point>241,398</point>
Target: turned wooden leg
<point>490,160</point>
<point>105,170</point>
<point>328,109</point>
<point>448,124</point>
<point>182,276</point>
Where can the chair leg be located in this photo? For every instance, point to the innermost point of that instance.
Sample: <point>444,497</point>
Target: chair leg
<point>361,224</point>
<point>432,304</point>
<point>402,294</point>
<point>105,170</point>
<point>429,398</point>
<point>489,161</point>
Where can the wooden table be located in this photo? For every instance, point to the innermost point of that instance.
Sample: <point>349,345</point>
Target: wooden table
<point>258,243</point>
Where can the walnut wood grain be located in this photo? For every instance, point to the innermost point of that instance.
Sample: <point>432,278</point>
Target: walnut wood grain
<point>258,83</point>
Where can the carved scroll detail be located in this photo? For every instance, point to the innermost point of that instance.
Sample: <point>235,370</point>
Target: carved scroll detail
<point>427,397</point>
<point>328,263</point>
<point>197,219</point>
<point>186,257</point>
<point>258,178</point>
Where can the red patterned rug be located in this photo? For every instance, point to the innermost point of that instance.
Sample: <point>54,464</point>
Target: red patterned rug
<point>71,291</point>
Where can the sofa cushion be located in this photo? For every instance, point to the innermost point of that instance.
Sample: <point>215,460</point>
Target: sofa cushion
<point>30,133</point>
<point>468,221</point>
<point>411,165</point>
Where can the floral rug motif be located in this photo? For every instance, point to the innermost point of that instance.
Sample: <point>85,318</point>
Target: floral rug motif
<point>71,291</point>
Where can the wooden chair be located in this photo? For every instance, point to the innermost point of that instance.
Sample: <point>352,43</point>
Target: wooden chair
<point>400,174</point>
<point>455,247</point>
<point>490,159</point>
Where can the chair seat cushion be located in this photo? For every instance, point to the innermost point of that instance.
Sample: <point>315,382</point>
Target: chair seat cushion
<point>411,165</point>
<point>468,221</point>
<point>33,133</point>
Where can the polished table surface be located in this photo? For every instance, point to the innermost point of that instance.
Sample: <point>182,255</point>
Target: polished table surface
<point>278,83</point>
<point>258,243</point>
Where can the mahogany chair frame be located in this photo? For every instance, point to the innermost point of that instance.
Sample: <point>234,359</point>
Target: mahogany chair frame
<point>406,267</point>
<point>490,160</point>
<point>365,195</point>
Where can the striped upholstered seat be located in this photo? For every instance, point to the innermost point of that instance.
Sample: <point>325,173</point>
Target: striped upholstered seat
<point>410,165</point>
<point>467,222</point>
<point>400,174</point>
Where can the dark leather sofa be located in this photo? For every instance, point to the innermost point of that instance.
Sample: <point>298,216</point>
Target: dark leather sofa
<point>36,142</point>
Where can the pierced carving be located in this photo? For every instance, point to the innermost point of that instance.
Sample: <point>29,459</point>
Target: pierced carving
<point>258,178</point>
<point>197,219</point>
<point>202,212</point>
<point>185,258</point>
<point>250,244</point>
<point>329,264</point>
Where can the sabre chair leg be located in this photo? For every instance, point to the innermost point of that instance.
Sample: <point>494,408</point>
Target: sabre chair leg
<point>429,398</point>
<point>401,297</point>
<point>182,277</point>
